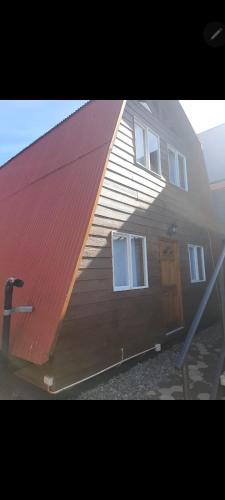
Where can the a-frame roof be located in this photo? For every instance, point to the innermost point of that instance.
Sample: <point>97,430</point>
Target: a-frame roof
<point>48,195</point>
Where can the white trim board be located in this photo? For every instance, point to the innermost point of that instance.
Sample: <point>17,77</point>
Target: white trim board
<point>175,331</point>
<point>120,363</point>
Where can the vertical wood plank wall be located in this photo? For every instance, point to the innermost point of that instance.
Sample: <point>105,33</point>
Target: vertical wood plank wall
<point>100,322</point>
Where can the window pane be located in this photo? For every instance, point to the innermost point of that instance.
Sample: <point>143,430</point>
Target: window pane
<point>182,171</point>
<point>120,261</point>
<point>145,105</point>
<point>192,264</point>
<point>172,167</point>
<point>200,264</point>
<point>137,262</point>
<point>140,144</point>
<point>153,148</point>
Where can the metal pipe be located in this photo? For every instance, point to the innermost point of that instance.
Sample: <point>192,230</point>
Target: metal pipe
<point>186,389</point>
<point>221,359</point>
<point>199,313</point>
<point>10,283</point>
<point>217,374</point>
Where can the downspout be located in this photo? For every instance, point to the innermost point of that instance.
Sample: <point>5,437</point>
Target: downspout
<point>9,310</point>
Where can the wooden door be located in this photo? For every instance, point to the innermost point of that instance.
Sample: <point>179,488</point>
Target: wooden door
<point>172,308</point>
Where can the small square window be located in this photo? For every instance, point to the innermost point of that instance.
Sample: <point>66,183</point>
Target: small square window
<point>201,266</point>
<point>172,167</point>
<point>182,172</point>
<point>147,146</point>
<point>138,268</point>
<point>197,263</point>
<point>140,145</point>
<point>177,169</point>
<point>154,152</point>
<point>193,267</point>
<point>146,106</point>
<point>120,261</point>
<point>129,262</point>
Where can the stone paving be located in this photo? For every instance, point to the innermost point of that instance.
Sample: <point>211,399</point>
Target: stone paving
<point>153,378</point>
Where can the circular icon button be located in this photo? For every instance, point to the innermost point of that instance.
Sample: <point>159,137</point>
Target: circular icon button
<point>214,34</point>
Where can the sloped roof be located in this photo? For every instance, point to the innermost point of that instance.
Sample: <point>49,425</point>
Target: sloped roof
<point>46,133</point>
<point>47,196</point>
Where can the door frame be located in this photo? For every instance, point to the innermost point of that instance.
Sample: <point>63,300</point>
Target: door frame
<point>179,286</point>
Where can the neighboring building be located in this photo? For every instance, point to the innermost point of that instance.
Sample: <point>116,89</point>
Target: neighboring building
<point>213,144</point>
<point>107,219</point>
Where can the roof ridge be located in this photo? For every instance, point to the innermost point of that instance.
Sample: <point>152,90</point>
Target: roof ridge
<point>212,128</point>
<point>46,133</point>
<point>217,181</point>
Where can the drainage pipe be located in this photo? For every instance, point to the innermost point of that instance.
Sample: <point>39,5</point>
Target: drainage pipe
<point>10,283</point>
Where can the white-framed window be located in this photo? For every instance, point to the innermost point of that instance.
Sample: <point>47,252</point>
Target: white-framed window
<point>140,144</point>
<point>154,152</point>
<point>197,263</point>
<point>145,105</point>
<point>147,147</point>
<point>177,168</point>
<point>130,269</point>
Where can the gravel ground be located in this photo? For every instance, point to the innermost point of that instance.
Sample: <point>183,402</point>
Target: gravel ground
<point>153,378</point>
<point>157,379</point>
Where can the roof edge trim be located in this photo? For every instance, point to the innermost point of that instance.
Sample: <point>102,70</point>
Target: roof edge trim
<point>68,297</point>
<point>4,165</point>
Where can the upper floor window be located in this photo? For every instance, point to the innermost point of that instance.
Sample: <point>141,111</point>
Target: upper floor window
<point>147,145</point>
<point>177,169</point>
<point>140,145</point>
<point>129,262</point>
<point>197,263</point>
<point>146,106</point>
<point>154,152</point>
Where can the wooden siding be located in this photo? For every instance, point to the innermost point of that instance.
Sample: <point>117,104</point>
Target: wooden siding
<point>100,325</point>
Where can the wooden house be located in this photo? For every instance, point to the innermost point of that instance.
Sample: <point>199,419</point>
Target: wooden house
<point>107,218</point>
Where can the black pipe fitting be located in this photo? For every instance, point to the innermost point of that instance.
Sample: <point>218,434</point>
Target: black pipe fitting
<point>10,283</point>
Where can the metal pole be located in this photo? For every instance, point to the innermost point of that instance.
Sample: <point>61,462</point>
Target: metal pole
<point>220,364</point>
<point>216,378</point>
<point>222,299</point>
<point>186,382</point>
<point>200,311</point>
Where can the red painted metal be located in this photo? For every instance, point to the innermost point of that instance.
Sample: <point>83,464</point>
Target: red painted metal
<point>215,186</point>
<point>47,195</point>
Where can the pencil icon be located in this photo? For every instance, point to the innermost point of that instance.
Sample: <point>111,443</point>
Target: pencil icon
<point>216,34</point>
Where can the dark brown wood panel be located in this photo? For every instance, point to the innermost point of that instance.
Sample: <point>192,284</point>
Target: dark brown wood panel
<point>102,326</point>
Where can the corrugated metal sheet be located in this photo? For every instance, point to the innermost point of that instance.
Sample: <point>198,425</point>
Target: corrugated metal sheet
<point>47,195</point>
<point>46,133</point>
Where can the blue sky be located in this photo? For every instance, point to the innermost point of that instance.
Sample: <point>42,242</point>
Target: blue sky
<point>21,122</point>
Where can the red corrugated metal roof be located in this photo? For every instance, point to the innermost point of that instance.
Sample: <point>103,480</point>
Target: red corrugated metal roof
<point>215,186</point>
<point>48,132</point>
<point>47,195</point>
